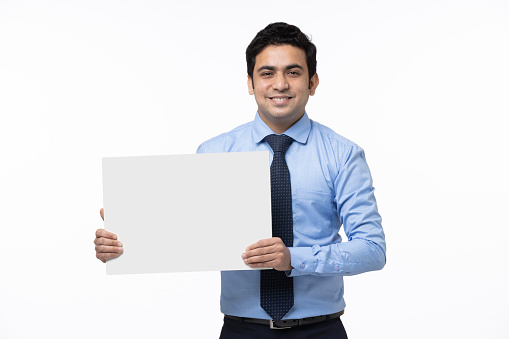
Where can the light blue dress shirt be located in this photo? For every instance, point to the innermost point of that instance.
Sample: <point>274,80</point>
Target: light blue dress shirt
<point>331,186</point>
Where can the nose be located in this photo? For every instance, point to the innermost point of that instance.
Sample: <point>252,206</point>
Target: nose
<point>280,83</point>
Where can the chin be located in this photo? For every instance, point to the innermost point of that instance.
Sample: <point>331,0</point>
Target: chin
<point>281,115</point>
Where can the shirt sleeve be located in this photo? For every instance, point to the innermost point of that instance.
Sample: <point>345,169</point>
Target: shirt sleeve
<point>357,210</point>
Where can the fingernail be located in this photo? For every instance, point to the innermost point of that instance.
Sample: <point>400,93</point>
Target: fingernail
<point>114,237</point>
<point>119,249</point>
<point>119,244</point>
<point>243,255</point>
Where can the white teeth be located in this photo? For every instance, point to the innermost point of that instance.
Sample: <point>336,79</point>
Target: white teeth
<point>280,99</point>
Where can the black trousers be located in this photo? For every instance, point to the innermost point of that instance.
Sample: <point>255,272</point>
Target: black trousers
<point>233,329</point>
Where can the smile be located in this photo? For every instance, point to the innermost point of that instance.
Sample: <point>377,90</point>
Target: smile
<point>280,99</point>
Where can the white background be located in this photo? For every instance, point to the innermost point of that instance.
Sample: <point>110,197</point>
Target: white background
<point>422,86</point>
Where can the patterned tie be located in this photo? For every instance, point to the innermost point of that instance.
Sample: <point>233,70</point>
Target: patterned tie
<point>276,289</point>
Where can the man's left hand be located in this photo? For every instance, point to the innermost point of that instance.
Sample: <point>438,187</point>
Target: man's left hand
<point>270,253</point>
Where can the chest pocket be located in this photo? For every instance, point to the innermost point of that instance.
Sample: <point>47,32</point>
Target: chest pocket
<point>313,215</point>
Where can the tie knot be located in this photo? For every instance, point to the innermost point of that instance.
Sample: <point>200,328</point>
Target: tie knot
<point>279,143</point>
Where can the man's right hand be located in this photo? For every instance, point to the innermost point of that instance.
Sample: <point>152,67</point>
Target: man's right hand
<point>106,244</point>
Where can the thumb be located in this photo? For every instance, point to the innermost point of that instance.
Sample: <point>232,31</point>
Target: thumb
<point>102,213</point>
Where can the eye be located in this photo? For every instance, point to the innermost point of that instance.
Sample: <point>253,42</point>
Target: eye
<point>264,74</point>
<point>294,73</point>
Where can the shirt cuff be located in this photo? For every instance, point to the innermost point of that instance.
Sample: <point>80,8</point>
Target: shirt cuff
<point>303,260</point>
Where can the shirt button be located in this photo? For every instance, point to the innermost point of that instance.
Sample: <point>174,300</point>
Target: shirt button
<point>336,268</point>
<point>302,265</point>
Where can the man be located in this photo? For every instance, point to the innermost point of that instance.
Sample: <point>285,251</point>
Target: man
<point>319,181</point>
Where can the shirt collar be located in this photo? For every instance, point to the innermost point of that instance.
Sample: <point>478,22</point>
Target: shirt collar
<point>298,132</point>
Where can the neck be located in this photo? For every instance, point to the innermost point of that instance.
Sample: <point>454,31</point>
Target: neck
<point>279,126</point>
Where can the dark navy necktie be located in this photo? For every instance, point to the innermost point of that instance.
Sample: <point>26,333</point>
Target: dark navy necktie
<point>276,289</point>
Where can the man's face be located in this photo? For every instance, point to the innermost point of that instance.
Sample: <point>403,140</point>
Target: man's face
<point>281,85</point>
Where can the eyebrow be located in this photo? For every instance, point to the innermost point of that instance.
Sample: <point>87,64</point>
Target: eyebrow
<point>272,68</point>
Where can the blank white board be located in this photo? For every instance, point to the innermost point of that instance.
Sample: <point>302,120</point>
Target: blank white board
<point>183,213</point>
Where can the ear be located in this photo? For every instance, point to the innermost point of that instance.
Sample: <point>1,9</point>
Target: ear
<point>313,84</point>
<point>250,85</point>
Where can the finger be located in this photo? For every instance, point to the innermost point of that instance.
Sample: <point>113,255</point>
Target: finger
<point>261,258</point>
<point>256,245</point>
<point>264,250</point>
<point>268,264</point>
<point>107,242</point>
<point>262,243</point>
<point>108,249</point>
<point>101,232</point>
<point>260,252</point>
<point>101,212</point>
<point>270,246</point>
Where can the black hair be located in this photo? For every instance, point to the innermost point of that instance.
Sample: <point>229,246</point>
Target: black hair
<point>280,33</point>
